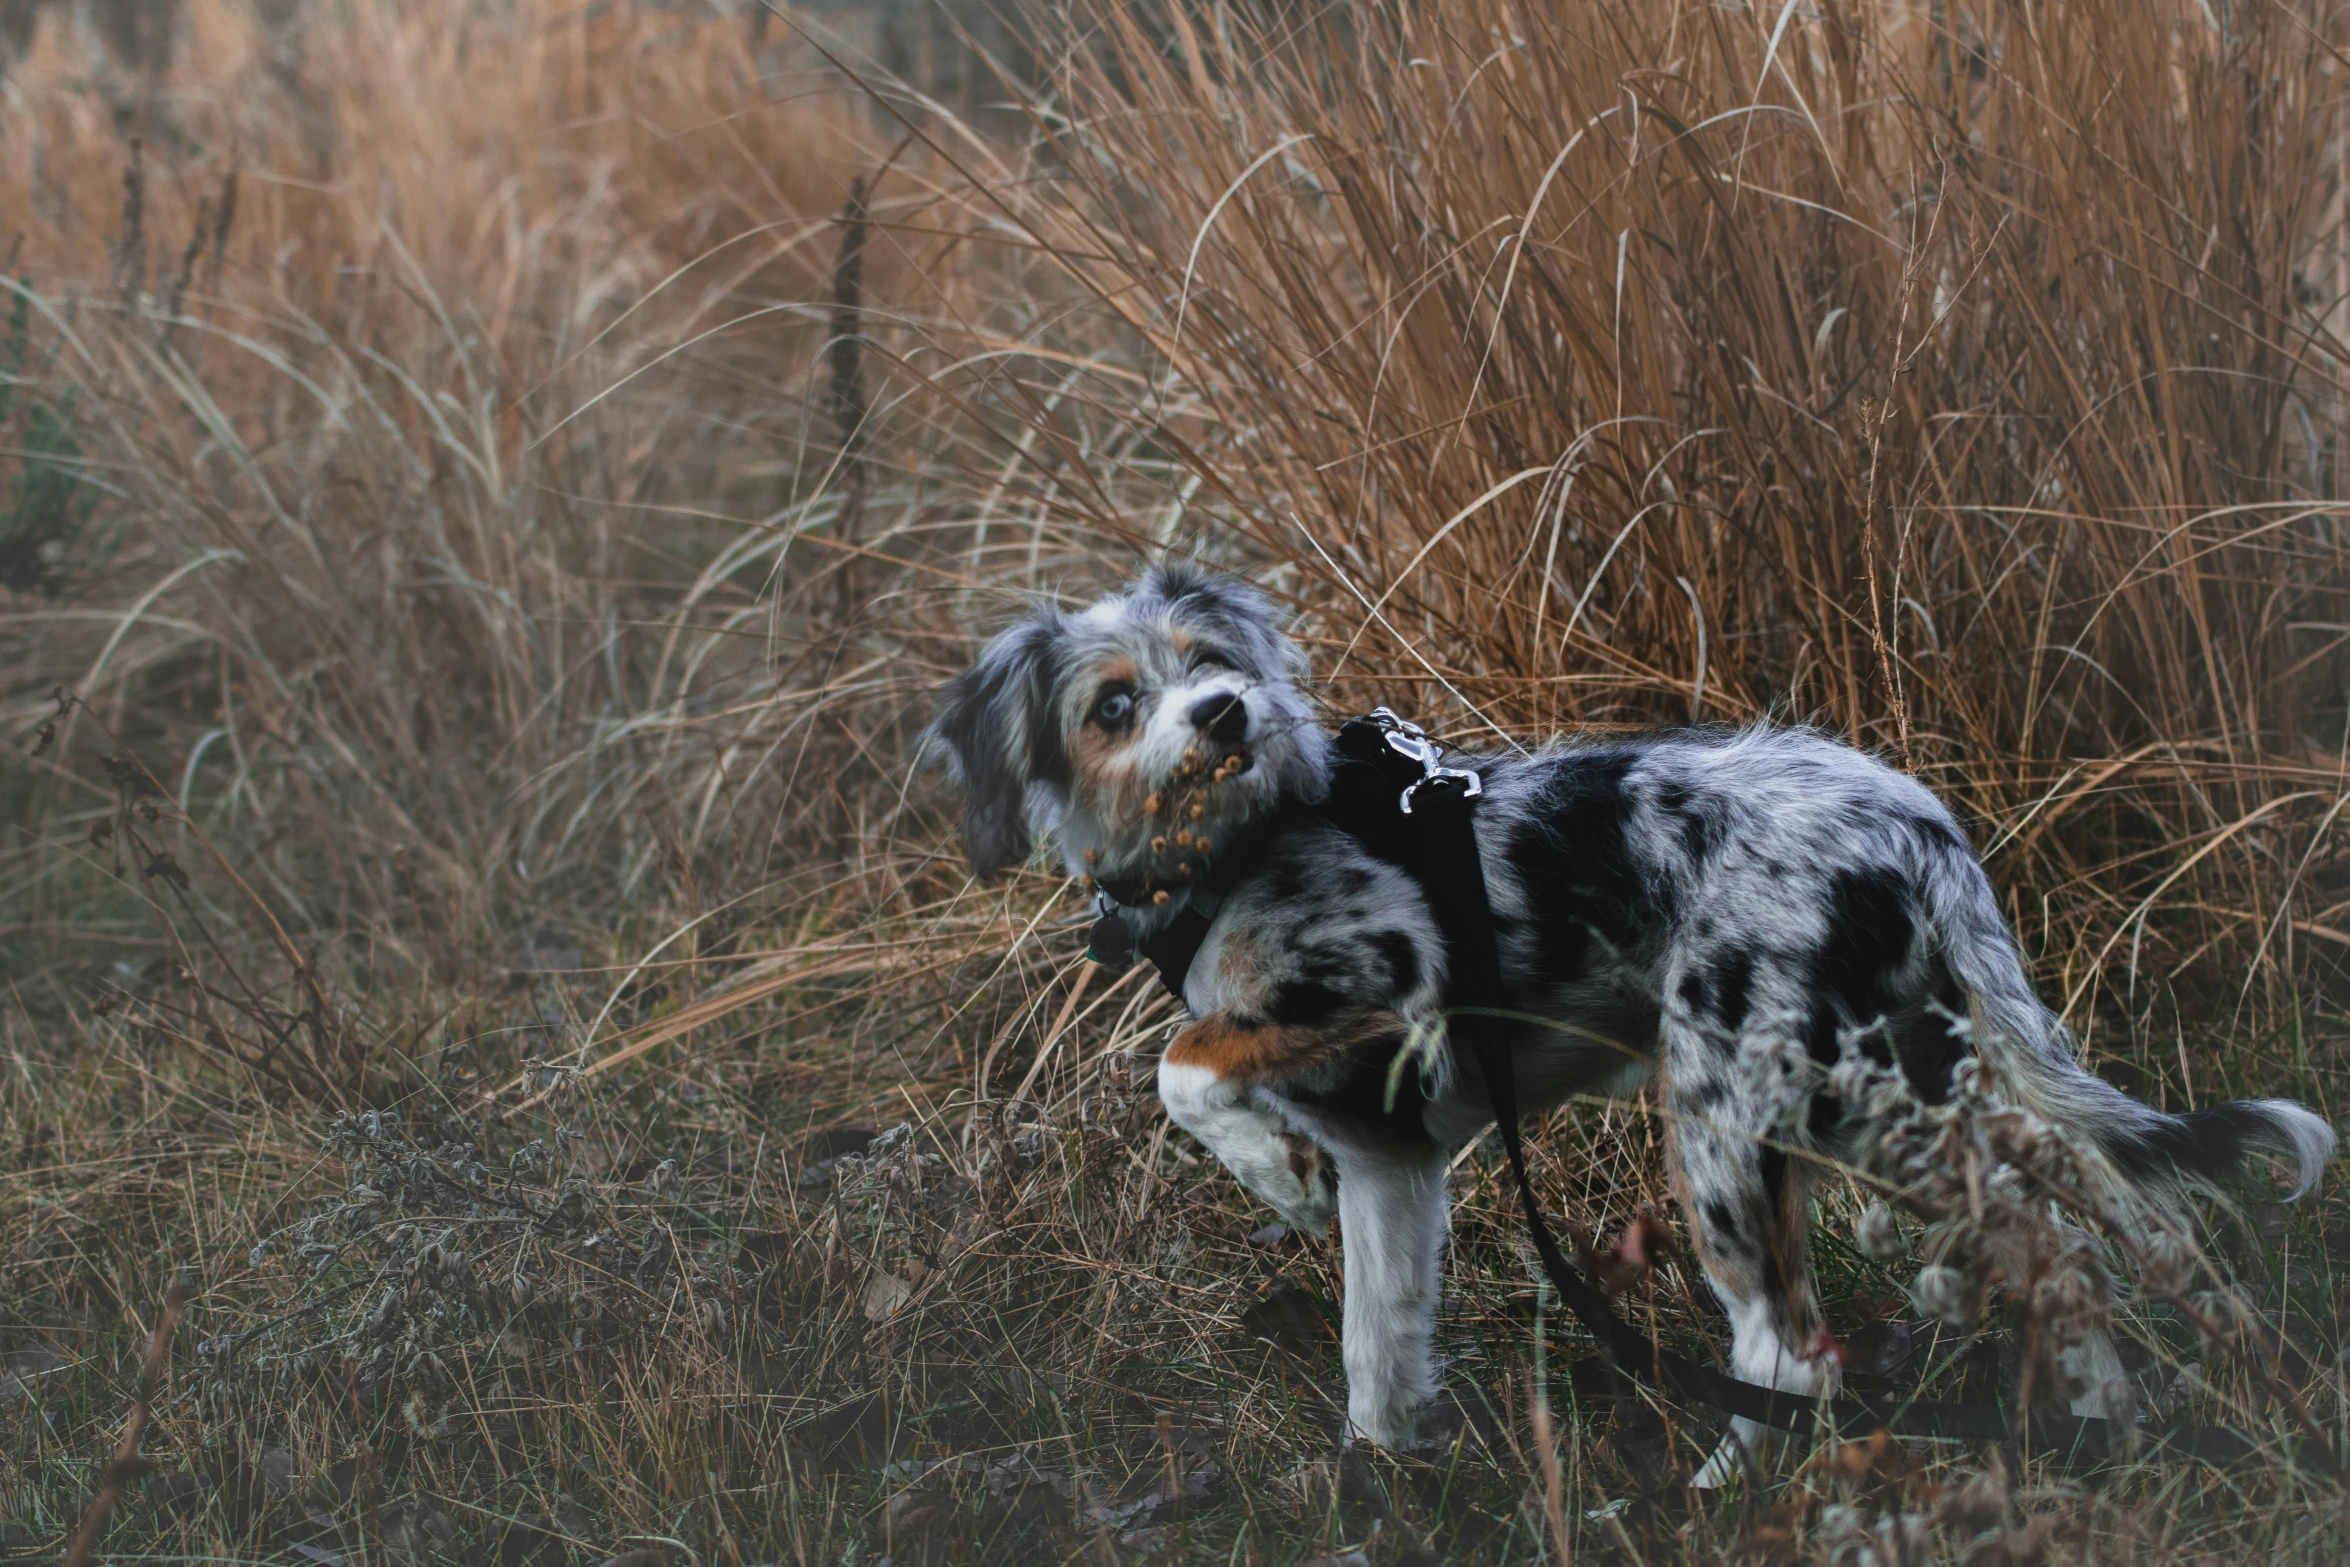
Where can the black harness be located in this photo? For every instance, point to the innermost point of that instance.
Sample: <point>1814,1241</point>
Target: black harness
<point>1390,791</point>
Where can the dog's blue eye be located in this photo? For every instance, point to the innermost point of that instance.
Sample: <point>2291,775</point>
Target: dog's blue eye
<point>1114,709</point>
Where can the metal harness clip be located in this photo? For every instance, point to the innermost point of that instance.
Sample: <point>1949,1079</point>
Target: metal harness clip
<point>1410,740</point>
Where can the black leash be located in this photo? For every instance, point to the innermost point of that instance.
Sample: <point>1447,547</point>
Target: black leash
<point>1391,791</point>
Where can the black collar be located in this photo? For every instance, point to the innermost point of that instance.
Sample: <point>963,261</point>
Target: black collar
<point>1177,940</point>
<point>1366,779</point>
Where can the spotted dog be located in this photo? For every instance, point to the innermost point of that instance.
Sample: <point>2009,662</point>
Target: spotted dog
<point>1692,904</point>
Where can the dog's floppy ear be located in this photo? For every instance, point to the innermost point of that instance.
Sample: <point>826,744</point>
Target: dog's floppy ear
<point>995,726</point>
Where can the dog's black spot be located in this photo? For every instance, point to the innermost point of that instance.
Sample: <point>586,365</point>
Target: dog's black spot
<point>1354,881</point>
<point>1771,1165</point>
<point>1824,1118</point>
<point>1721,1226</point>
<point>1950,997</point>
<point>1402,959</point>
<point>1283,880</point>
<point>1304,1004</point>
<point>1696,821</point>
<point>1572,853</point>
<point>1322,965</point>
<point>1695,995</point>
<point>1869,930</point>
<point>1733,985</point>
<point>1931,1059</point>
<point>1361,1094</point>
<point>1708,1092</point>
<point>1819,1032</point>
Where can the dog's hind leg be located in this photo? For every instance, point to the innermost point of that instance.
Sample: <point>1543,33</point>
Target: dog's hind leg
<point>1747,1203</point>
<point>1393,1206</point>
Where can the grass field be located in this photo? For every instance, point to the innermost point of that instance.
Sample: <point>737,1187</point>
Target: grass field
<point>501,1057</point>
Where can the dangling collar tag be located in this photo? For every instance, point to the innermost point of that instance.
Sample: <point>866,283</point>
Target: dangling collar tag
<point>1112,942</point>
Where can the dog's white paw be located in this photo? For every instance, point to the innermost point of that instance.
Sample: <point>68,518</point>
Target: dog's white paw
<point>1396,1424</point>
<point>1727,1465</point>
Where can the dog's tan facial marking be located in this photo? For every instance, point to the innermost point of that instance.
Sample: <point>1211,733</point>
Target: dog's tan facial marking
<point>1102,755</point>
<point>1099,764</point>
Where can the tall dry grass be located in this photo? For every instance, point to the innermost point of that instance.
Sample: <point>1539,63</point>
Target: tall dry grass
<point>414,351</point>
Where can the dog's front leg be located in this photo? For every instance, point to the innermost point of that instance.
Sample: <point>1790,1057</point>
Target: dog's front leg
<point>1393,1207</point>
<point>1209,1080</point>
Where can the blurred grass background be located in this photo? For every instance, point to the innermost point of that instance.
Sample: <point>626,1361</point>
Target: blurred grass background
<point>495,482</point>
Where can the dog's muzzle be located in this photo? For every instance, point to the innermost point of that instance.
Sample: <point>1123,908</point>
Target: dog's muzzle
<point>1223,717</point>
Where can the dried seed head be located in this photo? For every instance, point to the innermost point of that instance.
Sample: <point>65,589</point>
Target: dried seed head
<point>1941,1293</point>
<point>1160,897</point>
<point>1184,837</point>
<point>1982,1503</point>
<point>1198,811</point>
<point>2166,1264</point>
<point>1093,856</point>
<point>1158,845</point>
<point>1183,870</point>
<point>1150,807</point>
<point>1203,845</point>
<point>1879,1235</point>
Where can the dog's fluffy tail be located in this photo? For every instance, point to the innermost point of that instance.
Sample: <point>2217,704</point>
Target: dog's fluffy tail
<point>2031,1054</point>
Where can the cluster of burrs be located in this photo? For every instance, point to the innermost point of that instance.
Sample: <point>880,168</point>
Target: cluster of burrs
<point>1182,802</point>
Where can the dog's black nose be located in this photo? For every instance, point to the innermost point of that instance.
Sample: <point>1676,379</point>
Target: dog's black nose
<point>1223,717</point>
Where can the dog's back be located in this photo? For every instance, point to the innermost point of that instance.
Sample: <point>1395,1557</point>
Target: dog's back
<point>1759,885</point>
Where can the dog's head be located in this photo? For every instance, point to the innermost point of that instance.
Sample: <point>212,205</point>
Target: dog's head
<point>1140,732</point>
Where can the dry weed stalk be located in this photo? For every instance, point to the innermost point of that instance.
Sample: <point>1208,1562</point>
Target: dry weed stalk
<point>126,1465</point>
<point>2006,1198</point>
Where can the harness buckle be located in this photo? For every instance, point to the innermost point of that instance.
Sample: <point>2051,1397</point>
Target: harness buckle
<point>1409,740</point>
